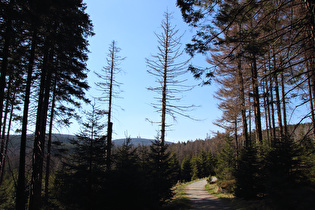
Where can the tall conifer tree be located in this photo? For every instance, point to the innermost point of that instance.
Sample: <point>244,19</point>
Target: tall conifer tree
<point>109,87</point>
<point>167,66</point>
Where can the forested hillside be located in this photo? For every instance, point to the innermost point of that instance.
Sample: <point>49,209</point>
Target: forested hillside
<point>260,55</point>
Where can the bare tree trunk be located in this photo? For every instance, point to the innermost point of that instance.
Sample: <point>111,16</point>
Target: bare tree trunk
<point>311,94</point>
<point>20,191</point>
<point>242,98</point>
<point>284,112</point>
<point>311,69</point>
<point>165,67</point>
<point>9,101</point>
<point>250,121</point>
<point>278,106</point>
<point>272,102</point>
<point>236,137</point>
<point>310,9</point>
<point>266,107</point>
<point>4,66</point>
<point>269,100</point>
<point>270,114</point>
<point>164,86</point>
<point>49,142</point>
<point>163,114</point>
<point>272,111</point>
<point>40,131</point>
<point>277,95</point>
<point>4,124</point>
<point>7,142</point>
<point>256,100</point>
<point>109,123</point>
<point>109,144</point>
<point>312,89</point>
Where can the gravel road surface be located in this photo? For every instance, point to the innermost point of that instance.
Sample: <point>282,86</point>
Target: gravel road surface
<point>201,199</point>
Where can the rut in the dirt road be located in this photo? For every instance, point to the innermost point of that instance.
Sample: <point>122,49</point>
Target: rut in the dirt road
<point>201,199</point>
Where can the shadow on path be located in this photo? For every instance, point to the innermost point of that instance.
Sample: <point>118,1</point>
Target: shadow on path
<point>201,199</point>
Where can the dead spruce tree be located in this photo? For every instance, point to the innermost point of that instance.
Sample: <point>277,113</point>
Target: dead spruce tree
<point>110,88</point>
<point>167,66</point>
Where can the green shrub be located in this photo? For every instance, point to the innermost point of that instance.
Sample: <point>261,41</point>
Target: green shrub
<point>7,193</point>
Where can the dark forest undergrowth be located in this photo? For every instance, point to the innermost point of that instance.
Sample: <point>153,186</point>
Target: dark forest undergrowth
<point>302,198</point>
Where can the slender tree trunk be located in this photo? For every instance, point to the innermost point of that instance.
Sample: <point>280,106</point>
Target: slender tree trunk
<point>40,130</point>
<point>164,85</point>
<point>272,112</point>
<point>266,106</point>
<point>250,121</point>
<point>312,88</point>
<point>236,137</point>
<point>278,106</point>
<point>6,112</point>
<point>49,142</point>
<point>277,95</point>
<point>269,100</point>
<point>272,109</point>
<point>4,124</point>
<point>310,9</point>
<point>109,144</point>
<point>90,187</point>
<point>310,64</point>
<point>163,114</point>
<point>20,192</point>
<point>257,114</point>
<point>109,123</point>
<point>4,66</point>
<point>242,99</point>
<point>7,141</point>
<point>311,94</point>
<point>269,111</point>
<point>284,112</point>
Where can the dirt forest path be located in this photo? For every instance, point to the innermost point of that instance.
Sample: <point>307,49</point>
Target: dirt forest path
<point>201,199</point>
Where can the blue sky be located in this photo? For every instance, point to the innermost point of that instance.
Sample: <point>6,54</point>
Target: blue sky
<point>132,25</point>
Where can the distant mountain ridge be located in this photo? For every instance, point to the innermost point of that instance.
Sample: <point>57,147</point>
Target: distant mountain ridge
<point>66,138</point>
<point>136,142</point>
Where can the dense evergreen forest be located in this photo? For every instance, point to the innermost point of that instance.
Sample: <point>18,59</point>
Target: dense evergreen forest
<point>260,53</point>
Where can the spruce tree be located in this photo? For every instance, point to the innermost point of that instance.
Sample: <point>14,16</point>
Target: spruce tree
<point>174,167</point>
<point>126,180</point>
<point>211,164</point>
<point>195,165</point>
<point>186,169</point>
<point>202,160</point>
<point>80,182</point>
<point>248,175</point>
<point>226,165</point>
<point>160,174</point>
<point>283,173</point>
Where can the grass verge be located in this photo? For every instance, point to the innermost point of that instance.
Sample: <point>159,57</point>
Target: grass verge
<point>236,203</point>
<point>180,201</point>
